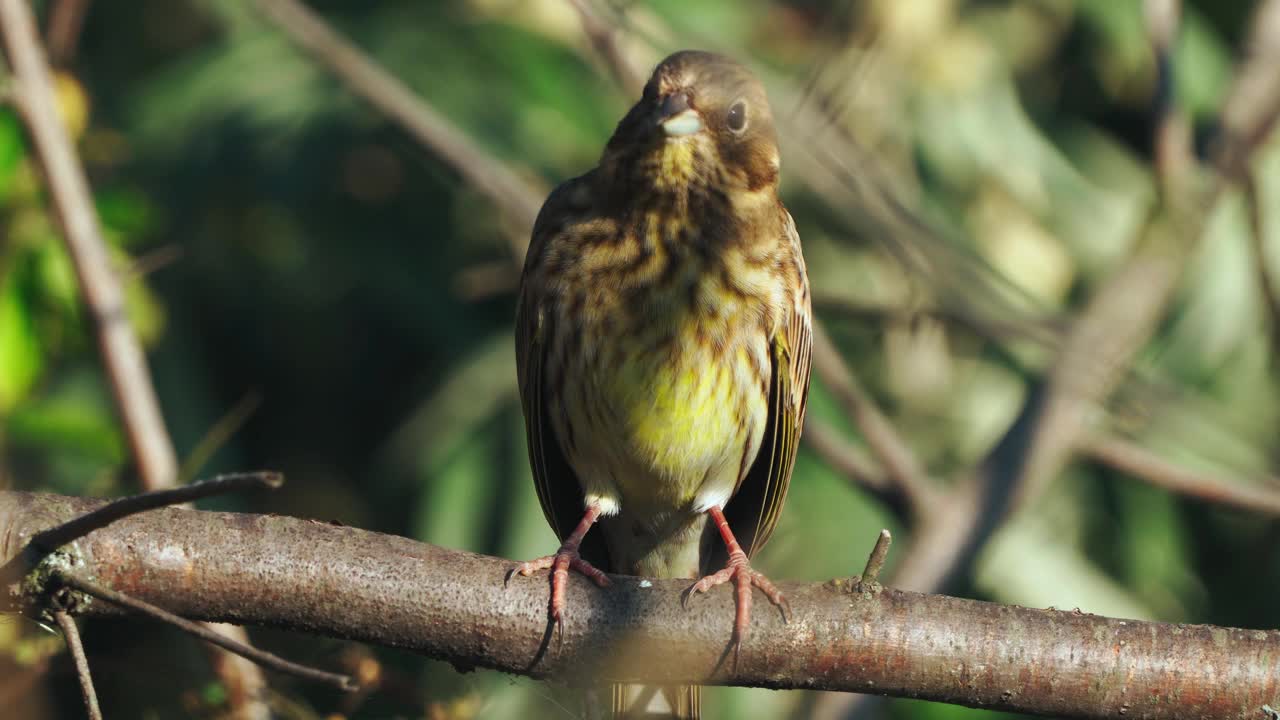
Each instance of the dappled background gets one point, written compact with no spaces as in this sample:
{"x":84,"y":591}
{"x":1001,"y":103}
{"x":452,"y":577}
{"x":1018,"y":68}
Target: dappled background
{"x":324,"y":294}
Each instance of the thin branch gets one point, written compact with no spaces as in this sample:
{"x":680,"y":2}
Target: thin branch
{"x":261,"y":657}
{"x":604,"y":40}
{"x":122,"y":355}
{"x":890,"y":449}
{"x":1145,"y":465}
{"x":123,"y":507}
{"x":72,"y":635}
{"x":219,"y":435}
{"x":1252,"y":106}
{"x":349,"y":583}
{"x":518,"y":198}
{"x":844,"y":457}
{"x":152,"y":261}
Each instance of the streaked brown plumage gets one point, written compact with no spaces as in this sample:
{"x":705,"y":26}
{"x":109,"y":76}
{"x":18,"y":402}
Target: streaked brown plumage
{"x":663,"y":340}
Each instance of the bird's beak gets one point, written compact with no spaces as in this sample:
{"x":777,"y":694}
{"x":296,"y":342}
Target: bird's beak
{"x":676,"y":117}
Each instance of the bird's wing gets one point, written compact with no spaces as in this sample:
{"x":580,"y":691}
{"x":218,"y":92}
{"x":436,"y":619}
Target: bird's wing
{"x":559,"y":491}
{"x":754,"y":509}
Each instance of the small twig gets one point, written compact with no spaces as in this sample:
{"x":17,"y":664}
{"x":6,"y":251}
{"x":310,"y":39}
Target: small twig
{"x":890,"y":449}
{"x":852,"y":462}
{"x":1145,"y":465}
{"x":844,"y":457}
{"x":604,"y":39}
{"x":72,"y":635}
{"x":875,"y":561}
{"x":1252,"y":106}
{"x":261,"y":657}
{"x":153,"y":260}
{"x":515,"y":196}
{"x":68,"y":532}
{"x":218,"y":435}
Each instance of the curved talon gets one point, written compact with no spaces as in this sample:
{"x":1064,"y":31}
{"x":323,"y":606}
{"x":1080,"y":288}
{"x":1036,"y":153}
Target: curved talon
{"x":560,"y":564}
{"x":739,"y":570}
{"x":564,"y":560}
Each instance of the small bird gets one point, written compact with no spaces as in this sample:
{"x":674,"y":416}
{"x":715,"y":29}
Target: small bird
{"x":662,"y":342}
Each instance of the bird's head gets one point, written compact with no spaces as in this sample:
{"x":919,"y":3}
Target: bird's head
{"x":703,"y":121}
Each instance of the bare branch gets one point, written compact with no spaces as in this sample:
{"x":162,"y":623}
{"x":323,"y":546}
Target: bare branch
{"x":1253,"y":103}
{"x":1155,"y":470}
{"x":518,"y":198}
{"x":122,"y":354}
{"x":846,"y":459}
{"x":261,"y":657}
{"x":72,"y":635}
{"x":218,"y":435}
{"x":349,"y":583}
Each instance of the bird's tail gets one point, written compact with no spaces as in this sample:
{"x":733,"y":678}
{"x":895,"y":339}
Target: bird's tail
{"x":653,"y":702}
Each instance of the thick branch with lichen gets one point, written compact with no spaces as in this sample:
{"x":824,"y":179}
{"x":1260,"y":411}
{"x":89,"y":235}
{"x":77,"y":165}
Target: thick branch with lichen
{"x":349,"y":583}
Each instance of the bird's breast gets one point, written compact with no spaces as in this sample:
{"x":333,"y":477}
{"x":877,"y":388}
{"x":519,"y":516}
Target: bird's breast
{"x":673,"y":385}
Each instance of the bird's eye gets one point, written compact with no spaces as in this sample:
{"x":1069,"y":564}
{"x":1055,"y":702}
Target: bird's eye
{"x":737,"y":117}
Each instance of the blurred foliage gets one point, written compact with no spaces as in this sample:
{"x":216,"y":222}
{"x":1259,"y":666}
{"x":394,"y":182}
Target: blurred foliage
{"x":323,"y":297}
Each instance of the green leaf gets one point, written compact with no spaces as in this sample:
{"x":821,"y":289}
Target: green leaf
{"x":12,"y":150}
{"x":20,"y":355}
{"x":125,"y":214}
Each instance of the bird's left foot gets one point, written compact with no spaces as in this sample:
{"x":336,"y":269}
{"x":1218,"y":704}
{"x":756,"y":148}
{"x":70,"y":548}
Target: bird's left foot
{"x":739,"y":571}
{"x":744,"y":577}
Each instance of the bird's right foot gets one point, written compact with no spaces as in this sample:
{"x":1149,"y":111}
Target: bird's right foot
{"x":561,"y":563}
{"x":565,"y":559}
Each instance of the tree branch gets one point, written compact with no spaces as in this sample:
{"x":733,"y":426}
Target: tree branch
{"x":1141,"y":463}
{"x":349,"y":583}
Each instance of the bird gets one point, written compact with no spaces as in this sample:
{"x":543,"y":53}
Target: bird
{"x":663,"y":338}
